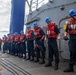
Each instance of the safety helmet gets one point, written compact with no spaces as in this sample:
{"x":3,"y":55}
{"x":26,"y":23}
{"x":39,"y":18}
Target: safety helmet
{"x":16,"y":33}
{"x":72,"y":12}
{"x":35,"y":24}
{"x":8,"y":34}
{"x":11,"y":32}
{"x":47,"y":19}
{"x":21,"y":32}
{"x":4,"y":35}
{"x":28,"y":27}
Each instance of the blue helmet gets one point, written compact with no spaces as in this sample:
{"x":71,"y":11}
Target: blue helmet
{"x":8,"y":34}
{"x":35,"y":24}
{"x":11,"y":32}
{"x":28,"y":27}
{"x":72,"y":12}
{"x":4,"y":35}
{"x":21,"y":32}
{"x":16,"y":33}
{"x":47,"y":19}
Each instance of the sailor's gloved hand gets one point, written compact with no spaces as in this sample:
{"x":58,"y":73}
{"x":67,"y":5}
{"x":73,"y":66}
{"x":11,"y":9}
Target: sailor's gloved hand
{"x":65,"y":38}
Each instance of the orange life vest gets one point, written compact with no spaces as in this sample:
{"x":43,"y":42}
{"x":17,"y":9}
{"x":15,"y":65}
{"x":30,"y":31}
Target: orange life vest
{"x":72,"y":26}
{"x":22,"y":37}
{"x":12,"y":37}
{"x":8,"y":38}
{"x":37,"y":32}
{"x":17,"y":38}
{"x":5,"y":39}
{"x":50,"y":31}
{"x":29,"y":34}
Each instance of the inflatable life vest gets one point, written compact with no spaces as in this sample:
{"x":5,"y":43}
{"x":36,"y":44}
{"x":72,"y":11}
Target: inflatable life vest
{"x":12,"y":37}
{"x":50,"y":31}
{"x":72,"y":26}
{"x":5,"y":39}
{"x":17,"y":38}
{"x":29,"y":34}
{"x":37,"y":32}
{"x":8,"y":38}
{"x":22,"y":37}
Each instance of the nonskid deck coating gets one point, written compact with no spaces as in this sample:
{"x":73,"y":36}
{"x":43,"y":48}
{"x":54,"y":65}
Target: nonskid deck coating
{"x":32,"y":67}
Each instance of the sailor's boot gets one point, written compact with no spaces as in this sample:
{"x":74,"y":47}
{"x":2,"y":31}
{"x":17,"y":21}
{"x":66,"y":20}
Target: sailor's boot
{"x":69,"y":69}
{"x":56,"y":66}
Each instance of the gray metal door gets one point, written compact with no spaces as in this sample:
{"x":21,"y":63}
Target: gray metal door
{"x":63,"y":45}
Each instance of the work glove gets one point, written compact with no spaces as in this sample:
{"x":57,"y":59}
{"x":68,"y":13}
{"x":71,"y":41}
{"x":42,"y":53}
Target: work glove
{"x":65,"y":38}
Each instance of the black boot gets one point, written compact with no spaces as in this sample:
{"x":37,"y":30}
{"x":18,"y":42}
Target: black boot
{"x":32,"y":59}
{"x":48,"y":64}
{"x":42,"y":62}
{"x":69,"y":69}
{"x":56,"y":66}
{"x":24,"y":57}
{"x":28,"y":58}
{"x":37,"y":60}
{"x":21,"y":56}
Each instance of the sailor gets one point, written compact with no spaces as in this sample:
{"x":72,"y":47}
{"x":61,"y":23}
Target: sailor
{"x":17,"y":43}
{"x":30,"y":43}
{"x":71,"y":30}
{"x":13,"y":43}
{"x":53,"y":34}
{"x":39,"y":42}
{"x":8,"y":42}
{"x":22,"y":52}
{"x":5,"y":43}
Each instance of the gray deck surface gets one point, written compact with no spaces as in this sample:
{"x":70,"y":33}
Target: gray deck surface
{"x":32,"y":67}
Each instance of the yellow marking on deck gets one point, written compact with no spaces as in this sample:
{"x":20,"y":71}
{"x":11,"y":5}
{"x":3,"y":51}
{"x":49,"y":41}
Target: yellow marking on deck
{"x":2,"y":59}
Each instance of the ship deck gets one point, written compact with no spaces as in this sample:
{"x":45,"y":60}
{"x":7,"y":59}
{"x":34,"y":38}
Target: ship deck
{"x":13,"y":65}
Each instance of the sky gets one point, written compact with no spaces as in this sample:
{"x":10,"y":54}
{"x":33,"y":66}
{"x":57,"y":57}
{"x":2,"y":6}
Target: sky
{"x":5,"y":13}
{"x":5,"y":10}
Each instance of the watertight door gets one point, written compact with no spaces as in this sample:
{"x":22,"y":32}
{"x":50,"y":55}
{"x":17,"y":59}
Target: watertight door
{"x":63,"y":45}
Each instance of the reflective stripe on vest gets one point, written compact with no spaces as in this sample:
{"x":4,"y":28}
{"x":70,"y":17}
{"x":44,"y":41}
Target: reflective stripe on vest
{"x":72,"y":26}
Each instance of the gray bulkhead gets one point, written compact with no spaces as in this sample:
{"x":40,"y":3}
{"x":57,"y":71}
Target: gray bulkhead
{"x":58,"y":11}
